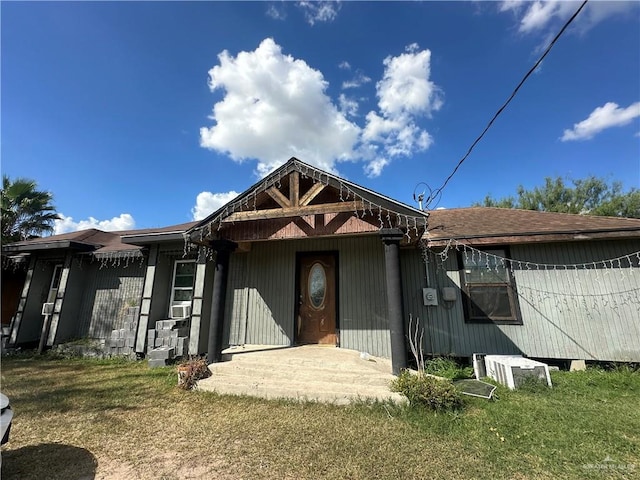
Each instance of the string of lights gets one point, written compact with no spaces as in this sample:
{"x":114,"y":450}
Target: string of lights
{"x":629,"y":261}
{"x":385,"y":216}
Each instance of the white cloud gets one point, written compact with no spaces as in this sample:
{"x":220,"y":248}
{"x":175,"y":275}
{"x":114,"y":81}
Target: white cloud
{"x":276,"y":13}
{"x":66,"y":224}
{"x":357,"y":81}
{"x":348,"y":106}
{"x":374,"y":167}
{"x":607,"y":116}
{"x":319,"y":11}
{"x":275,"y":106}
{"x":207,"y":203}
{"x":404,"y":94}
{"x":405,"y":87}
{"x":344,"y":65}
{"x":541,"y":15}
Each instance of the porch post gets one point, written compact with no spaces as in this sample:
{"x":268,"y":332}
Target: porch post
{"x":223,"y":250}
{"x":391,"y":239}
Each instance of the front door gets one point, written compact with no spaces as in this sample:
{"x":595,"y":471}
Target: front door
{"x":317,"y":299}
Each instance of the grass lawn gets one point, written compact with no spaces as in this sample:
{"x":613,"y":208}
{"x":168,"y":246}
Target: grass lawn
{"x":84,"y":419}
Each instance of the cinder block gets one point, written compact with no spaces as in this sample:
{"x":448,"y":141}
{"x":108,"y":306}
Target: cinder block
{"x":122,"y":333}
{"x":182,"y":344}
{"x":165,"y":324}
{"x":163,"y":353}
{"x":157,"y":363}
{"x":129,"y":342}
{"x":120,"y":342}
{"x":578,"y":366}
{"x":151,"y":334}
{"x":164,"y":333}
{"x":182,"y":331}
{"x":114,"y":334}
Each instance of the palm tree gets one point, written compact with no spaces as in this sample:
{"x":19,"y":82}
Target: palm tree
{"x":26,"y":212}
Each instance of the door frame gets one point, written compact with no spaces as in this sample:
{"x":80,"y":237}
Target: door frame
{"x":313,"y":253}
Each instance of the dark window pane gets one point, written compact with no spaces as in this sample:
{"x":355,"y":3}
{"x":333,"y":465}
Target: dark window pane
{"x":485,"y":267}
{"x":317,"y":285}
{"x":185,"y":268}
{"x":184,"y":281}
{"x":57,"y":275}
{"x":182,"y":295}
{"x":490,"y":302}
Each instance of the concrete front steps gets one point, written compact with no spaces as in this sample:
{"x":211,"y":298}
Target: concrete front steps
{"x":307,"y":373}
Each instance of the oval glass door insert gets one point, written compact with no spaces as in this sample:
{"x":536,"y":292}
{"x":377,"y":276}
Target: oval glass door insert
{"x":317,"y":285}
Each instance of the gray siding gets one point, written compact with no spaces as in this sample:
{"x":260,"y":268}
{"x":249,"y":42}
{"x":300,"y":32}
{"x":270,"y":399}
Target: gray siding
{"x":261,"y":294}
{"x":591,"y":313}
{"x":108,"y":291}
{"x":70,"y":297}
{"x":237,"y":300}
{"x":28,"y":325}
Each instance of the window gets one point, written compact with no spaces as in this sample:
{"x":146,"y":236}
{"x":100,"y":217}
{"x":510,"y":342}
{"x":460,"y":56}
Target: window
{"x":317,"y":286}
{"x":55,"y":284}
{"x":488,"y":287}
{"x":183,"y":277}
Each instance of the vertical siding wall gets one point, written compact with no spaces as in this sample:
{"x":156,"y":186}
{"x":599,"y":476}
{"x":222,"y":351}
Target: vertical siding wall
{"x":261,"y":300}
{"x":445,"y":331}
{"x":107,"y":292}
{"x":585,"y":314}
{"x":29,"y":324}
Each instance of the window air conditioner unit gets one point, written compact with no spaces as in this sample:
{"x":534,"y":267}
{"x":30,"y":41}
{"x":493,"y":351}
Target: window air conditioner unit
{"x":512,"y":370}
{"x":47,"y":308}
{"x":180,"y":311}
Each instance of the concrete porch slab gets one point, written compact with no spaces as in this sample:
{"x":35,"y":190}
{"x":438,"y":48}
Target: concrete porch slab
{"x":306,"y":373}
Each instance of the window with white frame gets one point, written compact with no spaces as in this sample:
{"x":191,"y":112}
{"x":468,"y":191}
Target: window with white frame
{"x":488,"y":287}
{"x":183,"y":280}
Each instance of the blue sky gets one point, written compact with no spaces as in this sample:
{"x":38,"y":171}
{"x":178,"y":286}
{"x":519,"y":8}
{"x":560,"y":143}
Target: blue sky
{"x":148,"y":114}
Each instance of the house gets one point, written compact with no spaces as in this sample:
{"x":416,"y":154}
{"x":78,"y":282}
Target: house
{"x":304,"y":256}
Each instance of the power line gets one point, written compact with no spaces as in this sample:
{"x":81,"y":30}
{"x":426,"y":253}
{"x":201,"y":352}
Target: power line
{"x":438,"y":191}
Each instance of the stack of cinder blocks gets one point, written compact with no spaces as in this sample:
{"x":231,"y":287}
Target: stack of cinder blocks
{"x":170,"y":339}
{"x":123,"y":341}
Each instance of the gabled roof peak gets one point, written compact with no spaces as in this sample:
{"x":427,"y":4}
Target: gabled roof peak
{"x":294,"y":189}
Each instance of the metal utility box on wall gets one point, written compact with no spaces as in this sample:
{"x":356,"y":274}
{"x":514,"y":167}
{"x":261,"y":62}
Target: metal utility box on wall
{"x":512,"y":370}
{"x":449,"y":294}
{"x":430,"y":296}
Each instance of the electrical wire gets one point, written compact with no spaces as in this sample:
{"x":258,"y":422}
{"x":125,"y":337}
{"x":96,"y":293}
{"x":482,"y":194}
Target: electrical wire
{"x":438,"y":191}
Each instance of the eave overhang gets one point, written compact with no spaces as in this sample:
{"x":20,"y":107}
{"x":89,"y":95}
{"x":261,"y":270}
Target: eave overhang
{"x":53,"y":245}
{"x":534,"y":237}
{"x":147,"y":238}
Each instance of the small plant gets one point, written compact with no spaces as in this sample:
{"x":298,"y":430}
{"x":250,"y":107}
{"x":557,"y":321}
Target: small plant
{"x":192,"y":370}
{"x":533,"y":384}
{"x":421,"y":388}
{"x":426,"y":391}
{"x":447,"y":368}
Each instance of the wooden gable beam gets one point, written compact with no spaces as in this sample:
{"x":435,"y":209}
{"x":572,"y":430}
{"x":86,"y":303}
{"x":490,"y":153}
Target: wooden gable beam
{"x":279,"y":197}
{"x":294,"y":188}
{"x":311,"y":194}
{"x":294,"y":211}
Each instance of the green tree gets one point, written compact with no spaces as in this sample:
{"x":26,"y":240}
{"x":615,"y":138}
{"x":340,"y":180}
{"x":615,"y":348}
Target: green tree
{"x":26,"y":211}
{"x":590,"y":196}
